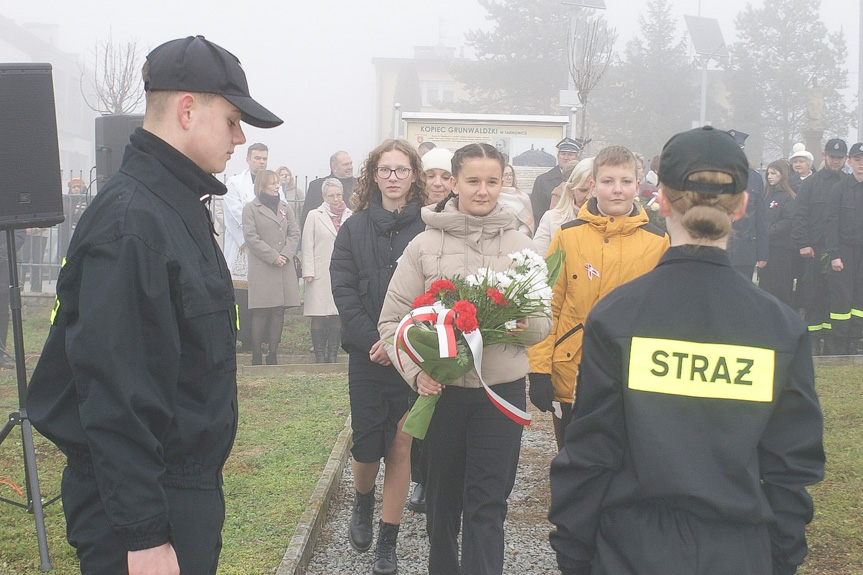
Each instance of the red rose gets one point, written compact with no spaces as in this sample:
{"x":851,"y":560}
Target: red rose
{"x":441,"y":285}
{"x":423,"y":300}
{"x":496,"y":296}
{"x":465,"y":316}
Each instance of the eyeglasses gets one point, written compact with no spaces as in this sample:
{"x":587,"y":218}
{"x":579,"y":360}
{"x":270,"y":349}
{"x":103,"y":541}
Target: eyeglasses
{"x":384,"y":172}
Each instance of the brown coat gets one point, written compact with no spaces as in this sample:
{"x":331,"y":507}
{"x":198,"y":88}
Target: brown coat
{"x":268,"y":235}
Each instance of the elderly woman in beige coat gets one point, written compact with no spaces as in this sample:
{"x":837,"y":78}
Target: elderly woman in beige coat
{"x":319,"y":235}
{"x":272,"y":234}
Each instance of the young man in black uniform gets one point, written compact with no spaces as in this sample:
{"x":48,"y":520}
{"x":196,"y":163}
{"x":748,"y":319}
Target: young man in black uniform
{"x":809,"y":236}
{"x":137,"y":381}
{"x":845,"y":246}
{"x":696,"y":427}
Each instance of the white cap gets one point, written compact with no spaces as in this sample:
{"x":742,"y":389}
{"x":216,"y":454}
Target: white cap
{"x":799,"y":151}
{"x":439,"y":158}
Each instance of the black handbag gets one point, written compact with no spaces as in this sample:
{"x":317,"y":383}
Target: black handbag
{"x":298,"y":266}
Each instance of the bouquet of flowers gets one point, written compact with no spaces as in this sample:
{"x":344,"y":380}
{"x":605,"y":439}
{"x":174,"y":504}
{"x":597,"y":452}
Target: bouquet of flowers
{"x":450,"y":324}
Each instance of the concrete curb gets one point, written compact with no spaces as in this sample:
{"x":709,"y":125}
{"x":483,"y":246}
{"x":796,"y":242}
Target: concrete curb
{"x":293,"y":369}
{"x":302,"y":544}
{"x":837,"y":360}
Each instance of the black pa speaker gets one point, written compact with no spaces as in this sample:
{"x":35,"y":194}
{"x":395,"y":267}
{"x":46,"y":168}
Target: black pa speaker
{"x":112,"y":136}
{"x":30,"y":188}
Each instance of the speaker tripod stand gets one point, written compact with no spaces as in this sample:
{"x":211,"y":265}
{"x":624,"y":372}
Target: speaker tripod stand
{"x":19,"y":417}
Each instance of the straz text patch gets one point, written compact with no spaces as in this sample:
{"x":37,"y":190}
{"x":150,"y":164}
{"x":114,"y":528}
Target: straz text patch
{"x":713,"y":370}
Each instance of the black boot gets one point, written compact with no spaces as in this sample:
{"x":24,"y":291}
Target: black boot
{"x":257,"y":358}
{"x":360,"y":528}
{"x":386,"y":562}
{"x":319,"y":340}
{"x":417,"y":502}
{"x":334,"y":341}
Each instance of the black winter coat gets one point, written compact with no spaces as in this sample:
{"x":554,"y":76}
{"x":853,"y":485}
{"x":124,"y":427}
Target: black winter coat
{"x":366,"y":252}
{"x":845,"y":218}
{"x":688,"y":407}
{"x":780,"y":213}
{"x":810,"y":210}
{"x":137,"y":382}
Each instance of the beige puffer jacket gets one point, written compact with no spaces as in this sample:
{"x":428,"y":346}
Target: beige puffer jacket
{"x":458,"y":244}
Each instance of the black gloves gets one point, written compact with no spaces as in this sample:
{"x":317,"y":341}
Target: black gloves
{"x":541,"y":391}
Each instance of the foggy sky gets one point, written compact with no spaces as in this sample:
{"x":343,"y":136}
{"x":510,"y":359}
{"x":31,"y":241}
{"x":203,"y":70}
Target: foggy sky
{"x":310,"y":61}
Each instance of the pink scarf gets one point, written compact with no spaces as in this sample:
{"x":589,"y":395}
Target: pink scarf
{"x":335,"y":213}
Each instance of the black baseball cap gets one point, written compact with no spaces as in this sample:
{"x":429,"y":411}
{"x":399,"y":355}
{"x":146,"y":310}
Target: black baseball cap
{"x":856,"y":150}
{"x":836,"y":147}
{"x":703,"y":150}
{"x":194,"y":64}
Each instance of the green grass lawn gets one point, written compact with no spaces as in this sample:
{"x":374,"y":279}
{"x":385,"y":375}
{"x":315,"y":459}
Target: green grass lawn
{"x":836,"y":532}
{"x":287,"y":429}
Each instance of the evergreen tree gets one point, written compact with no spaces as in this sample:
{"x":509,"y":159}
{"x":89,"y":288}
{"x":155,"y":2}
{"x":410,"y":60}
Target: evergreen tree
{"x":783,"y":57}
{"x":521,"y":65}
{"x":654,"y":92}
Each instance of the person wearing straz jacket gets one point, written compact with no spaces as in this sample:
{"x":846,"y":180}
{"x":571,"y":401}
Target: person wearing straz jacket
{"x":809,"y":237}
{"x":611,"y":242}
{"x":845,"y":246}
{"x":696,"y":427}
{"x":137,"y":381}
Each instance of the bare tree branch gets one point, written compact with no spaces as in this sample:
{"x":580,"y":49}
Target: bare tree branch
{"x":591,"y":50}
{"x":116,"y":78}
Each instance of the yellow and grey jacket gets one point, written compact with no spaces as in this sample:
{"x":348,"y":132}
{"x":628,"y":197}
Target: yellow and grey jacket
{"x":602,"y":252}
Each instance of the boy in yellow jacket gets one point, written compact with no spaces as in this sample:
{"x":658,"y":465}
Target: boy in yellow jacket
{"x":610,"y":243}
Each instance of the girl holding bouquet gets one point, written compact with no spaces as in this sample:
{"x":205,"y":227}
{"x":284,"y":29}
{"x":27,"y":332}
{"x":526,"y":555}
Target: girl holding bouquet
{"x":389,"y":194}
{"x":471,"y":448}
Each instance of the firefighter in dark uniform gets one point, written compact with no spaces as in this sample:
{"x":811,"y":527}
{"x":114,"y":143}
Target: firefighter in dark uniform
{"x":568,"y":150}
{"x":809,"y":236}
{"x":137,"y":381}
{"x":845,"y":246}
{"x":696,"y":427}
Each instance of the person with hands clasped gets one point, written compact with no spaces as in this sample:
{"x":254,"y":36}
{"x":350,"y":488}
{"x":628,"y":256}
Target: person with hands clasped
{"x":367,"y":250}
{"x":610,"y":242}
{"x":696,"y":427}
{"x":271,"y":236}
{"x":471,"y":449}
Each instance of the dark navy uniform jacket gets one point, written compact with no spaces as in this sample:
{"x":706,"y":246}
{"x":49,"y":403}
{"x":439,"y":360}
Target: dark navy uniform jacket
{"x":696,"y":393}
{"x":137,"y":381}
{"x":811,"y":209}
{"x":845,"y":218}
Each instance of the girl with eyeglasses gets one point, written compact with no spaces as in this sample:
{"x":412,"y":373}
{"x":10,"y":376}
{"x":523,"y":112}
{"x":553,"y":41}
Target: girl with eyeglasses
{"x":389,"y":194}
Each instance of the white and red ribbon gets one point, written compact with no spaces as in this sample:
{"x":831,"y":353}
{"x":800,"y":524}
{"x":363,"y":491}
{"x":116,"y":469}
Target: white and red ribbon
{"x":444,"y":324}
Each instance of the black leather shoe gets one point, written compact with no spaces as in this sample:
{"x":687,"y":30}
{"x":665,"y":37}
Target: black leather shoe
{"x":386,"y":562}
{"x":417,"y":502}
{"x":360,"y":528}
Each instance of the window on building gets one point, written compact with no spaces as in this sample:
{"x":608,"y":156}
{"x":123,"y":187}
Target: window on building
{"x":435,"y":93}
